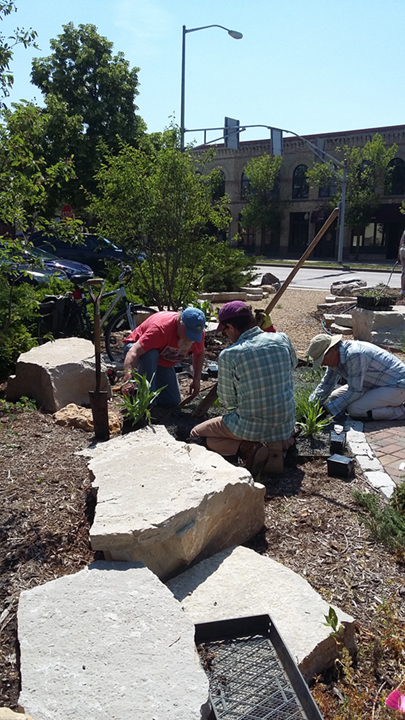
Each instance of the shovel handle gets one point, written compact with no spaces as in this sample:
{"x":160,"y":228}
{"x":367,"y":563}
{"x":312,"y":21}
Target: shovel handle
{"x":96,"y":282}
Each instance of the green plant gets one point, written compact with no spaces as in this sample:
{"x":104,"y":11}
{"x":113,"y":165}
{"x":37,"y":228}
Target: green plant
{"x":136,"y":406}
{"x":24,"y":404}
{"x":226,"y":269}
{"x":205,"y":306}
{"x":386,"y":521}
{"x":374,"y":292}
{"x":312,"y":420}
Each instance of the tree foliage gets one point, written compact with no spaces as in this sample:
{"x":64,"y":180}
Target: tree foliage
{"x":7,"y":43}
{"x":151,"y":199}
{"x":97,"y":91}
{"x":263,"y":208}
{"x":367,"y":174}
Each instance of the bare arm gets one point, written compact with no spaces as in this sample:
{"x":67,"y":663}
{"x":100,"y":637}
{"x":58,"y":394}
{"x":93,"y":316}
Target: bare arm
{"x":198,"y":361}
{"x":130,"y":363}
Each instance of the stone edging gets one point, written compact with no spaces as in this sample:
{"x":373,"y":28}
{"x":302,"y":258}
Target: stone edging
{"x":370,"y":465}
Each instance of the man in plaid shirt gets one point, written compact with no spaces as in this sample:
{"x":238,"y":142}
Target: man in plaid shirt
{"x":255,"y":382}
{"x":375,"y":379}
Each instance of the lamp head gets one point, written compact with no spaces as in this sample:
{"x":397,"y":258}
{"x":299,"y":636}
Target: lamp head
{"x":235,"y":34}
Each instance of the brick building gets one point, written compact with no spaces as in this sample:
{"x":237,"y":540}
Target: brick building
{"x":305,"y":209}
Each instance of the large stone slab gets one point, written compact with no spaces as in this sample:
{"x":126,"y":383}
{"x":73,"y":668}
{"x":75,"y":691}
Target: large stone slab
{"x":108,"y":643}
{"x":239,"y":582}
{"x":384,"y":328}
{"x":167,"y":504}
{"x":56,"y":374}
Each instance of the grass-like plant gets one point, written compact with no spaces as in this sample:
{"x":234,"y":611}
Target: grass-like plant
{"x":136,"y":406}
{"x":386,"y":521}
{"x":313,"y":421}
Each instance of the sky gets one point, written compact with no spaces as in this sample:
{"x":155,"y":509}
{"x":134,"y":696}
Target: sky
{"x":319,"y":66}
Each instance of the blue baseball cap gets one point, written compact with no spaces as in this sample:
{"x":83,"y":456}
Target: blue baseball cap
{"x":194,"y":322}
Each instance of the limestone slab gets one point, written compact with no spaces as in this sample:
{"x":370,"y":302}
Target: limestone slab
{"x":239,"y":582}
{"x":56,"y":374}
{"x":368,"y":464}
{"x":167,"y":504}
{"x":381,"y":481}
{"x":107,"y":643}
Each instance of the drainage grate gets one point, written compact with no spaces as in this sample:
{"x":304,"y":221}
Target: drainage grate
{"x":252,"y":676}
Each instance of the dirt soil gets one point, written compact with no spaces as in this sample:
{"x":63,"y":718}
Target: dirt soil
{"x":312,"y":525}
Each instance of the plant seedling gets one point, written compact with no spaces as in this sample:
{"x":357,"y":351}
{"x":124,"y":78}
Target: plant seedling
{"x":136,"y":407}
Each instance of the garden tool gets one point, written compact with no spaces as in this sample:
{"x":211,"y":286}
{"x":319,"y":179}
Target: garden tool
{"x":98,"y":398}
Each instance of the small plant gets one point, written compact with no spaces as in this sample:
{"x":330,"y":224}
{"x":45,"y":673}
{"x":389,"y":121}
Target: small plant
{"x":310,"y":416}
{"x":136,"y":406}
{"x":205,"y":306}
{"x":24,"y":404}
{"x":386,"y":521}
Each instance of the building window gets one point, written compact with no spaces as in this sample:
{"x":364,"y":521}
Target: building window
{"x":300,"y":187}
{"x":244,"y":187}
{"x":370,"y":239}
{"x":219,"y":191}
{"x":299,"y":226}
{"x":396,"y":182}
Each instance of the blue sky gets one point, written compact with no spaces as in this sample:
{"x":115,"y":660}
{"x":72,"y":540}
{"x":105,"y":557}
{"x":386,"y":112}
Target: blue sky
{"x":311,"y":67}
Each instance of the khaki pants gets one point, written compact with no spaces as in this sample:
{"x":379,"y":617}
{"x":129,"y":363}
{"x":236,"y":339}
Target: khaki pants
{"x":386,"y":403}
{"x":219,"y":437}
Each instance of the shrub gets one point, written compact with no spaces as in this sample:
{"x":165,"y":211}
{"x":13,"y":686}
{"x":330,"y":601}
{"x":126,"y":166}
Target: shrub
{"x":386,"y":521}
{"x":226,"y":269}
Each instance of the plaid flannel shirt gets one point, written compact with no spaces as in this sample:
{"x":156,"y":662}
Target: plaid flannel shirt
{"x":255,"y":378}
{"x":364,"y":366}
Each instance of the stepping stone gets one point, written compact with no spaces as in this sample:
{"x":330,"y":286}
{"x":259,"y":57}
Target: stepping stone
{"x":56,"y":374}
{"x":340,"y":329}
{"x":239,"y":582}
{"x":166,"y":503}
{"x":108,"y":642}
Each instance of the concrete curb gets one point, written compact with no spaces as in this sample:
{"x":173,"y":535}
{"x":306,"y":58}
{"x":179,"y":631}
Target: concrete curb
{"x":371,"y":466}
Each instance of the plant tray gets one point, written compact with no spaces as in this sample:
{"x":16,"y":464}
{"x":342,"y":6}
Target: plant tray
{"x":251,"y":673}
{"x":375,"y":303}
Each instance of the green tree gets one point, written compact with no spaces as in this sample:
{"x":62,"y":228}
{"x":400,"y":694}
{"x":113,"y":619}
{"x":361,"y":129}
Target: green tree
{"x":367,"y":174}
{"x":7,"y":43}
{"x":263,"y":208}
{"x":98,"y":90}
{"x":152,"y":200}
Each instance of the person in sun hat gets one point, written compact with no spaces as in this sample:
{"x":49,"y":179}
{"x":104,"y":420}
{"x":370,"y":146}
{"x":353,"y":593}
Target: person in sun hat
{"x":255,"y":382}
{"x":157,"y":344}
{"x":375,"y":379}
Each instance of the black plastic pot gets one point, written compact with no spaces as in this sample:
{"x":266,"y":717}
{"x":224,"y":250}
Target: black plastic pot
{"x":383,"y":302}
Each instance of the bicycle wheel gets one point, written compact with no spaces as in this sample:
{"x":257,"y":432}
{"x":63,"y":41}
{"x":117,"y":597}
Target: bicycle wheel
{"x":73,"y":325}
{"x":118,"y":329}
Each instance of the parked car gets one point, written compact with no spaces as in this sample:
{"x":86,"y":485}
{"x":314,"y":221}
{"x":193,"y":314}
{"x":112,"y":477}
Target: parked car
{"x":39,"y":266}
{"x":94,"y":251}
{"x":69,"y":267}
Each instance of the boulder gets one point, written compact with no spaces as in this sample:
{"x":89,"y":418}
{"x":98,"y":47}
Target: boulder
{"x":82,"y":418}
{"x":382,"y":327}
{"x":270,"y":279}
{"x":56,"y":374}
{"x":108,"y":642}
{"x":239,"y":582}
{"x":347,"y":287}
{"x":167,"y":504}
{"x":7,"y":714}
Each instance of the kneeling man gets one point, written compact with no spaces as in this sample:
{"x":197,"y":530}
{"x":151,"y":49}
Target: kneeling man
{"x":255,"y":382}
{"x":375,"y":379}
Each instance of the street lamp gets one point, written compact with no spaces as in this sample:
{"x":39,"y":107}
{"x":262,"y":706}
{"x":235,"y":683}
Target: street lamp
{"x":233,"y":33}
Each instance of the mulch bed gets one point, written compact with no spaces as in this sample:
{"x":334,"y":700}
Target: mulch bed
{"x":312,"y":526}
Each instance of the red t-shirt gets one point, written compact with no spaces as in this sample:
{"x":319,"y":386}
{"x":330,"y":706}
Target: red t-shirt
{"x":159,"y":332}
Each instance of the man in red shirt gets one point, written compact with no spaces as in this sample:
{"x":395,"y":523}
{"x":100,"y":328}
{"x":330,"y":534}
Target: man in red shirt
{"x":160,"y":342}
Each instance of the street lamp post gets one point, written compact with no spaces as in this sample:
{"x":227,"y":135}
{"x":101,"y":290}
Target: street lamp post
{"x":233,"y":33}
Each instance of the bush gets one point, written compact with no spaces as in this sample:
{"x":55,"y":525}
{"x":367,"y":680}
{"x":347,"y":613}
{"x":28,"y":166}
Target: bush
{"x":226,"y":269}
{"x":18,"y":310}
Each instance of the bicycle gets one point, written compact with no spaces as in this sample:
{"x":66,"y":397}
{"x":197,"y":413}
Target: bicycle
{"x":67,"y":316}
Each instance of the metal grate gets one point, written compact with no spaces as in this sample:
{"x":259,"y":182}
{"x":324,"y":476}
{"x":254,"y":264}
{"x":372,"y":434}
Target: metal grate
{"x":248,"y":682}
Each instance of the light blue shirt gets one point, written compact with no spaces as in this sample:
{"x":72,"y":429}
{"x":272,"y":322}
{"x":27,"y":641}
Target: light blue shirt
{"x":255,"y":378}
{"x":364,"y":366}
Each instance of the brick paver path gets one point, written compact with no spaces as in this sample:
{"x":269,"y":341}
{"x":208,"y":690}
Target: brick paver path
{"x":387,"y":441}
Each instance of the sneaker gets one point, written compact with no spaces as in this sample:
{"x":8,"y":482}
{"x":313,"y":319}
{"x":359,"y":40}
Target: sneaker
{"x":254,"y":456}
